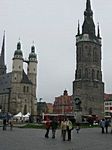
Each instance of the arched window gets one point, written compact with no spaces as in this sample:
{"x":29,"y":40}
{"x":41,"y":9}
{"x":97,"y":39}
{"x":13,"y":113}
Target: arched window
{"x":93,"y":74}
{"x":95,"y":56}
{"x":79,"y":53}
{"x":24,"y":89}
{"x":27,"y":89}
{"x":98,"y":76}
{"x":79,"y":76}
{"x":86,"y":73}
{"x":25,"y":109}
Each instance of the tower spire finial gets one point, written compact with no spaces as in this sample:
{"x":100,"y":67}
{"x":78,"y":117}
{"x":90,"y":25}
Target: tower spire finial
{"x":88,"y":5}
{"x":88,"y":12}
{"x":98,"y":34}
{"x":88,"y":25}
{"x":78,"y":31}
{"x":2,"y":57}
{"x":3,"y":50}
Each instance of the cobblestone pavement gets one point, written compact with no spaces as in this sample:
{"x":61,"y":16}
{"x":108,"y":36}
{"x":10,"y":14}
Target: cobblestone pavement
{"x":33,"y":139}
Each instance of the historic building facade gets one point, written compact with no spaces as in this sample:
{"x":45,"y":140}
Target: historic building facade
{"x":18,"y":88}
{"x":88,"y":87}
{"x":63,"y":104}
{"x":108,"y":104}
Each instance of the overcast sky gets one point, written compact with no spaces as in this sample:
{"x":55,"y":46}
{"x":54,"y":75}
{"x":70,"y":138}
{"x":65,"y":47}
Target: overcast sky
{"x":52,"y":25}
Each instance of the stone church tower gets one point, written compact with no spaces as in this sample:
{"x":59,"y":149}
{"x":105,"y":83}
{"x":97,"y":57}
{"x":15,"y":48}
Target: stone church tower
{"x":23,"y":85}
{"x":88,"y":87}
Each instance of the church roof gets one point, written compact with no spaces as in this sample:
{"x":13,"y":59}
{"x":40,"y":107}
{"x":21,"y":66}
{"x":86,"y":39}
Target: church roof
{"x":5,"y":82}
{"x":25,"y":78}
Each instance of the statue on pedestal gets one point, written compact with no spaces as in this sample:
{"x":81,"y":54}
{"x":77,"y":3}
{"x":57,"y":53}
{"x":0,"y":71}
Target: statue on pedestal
{"x":78,"y":110}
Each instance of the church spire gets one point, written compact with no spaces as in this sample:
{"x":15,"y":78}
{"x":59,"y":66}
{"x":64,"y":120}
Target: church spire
{"x":88,"y":5}
{"x":2,"y":57}
{"x":88,"y":12}
{"x":88,"y":25}
{"x":98,"y":34}
{"x":78,"y":30}
{"x":3,"y":51}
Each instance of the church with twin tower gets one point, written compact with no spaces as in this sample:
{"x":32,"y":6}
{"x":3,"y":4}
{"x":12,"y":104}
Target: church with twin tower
{"x":18,"y":88}
{"x":88,"y":88}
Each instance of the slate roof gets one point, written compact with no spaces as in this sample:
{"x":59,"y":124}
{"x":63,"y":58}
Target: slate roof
{"x":25,"y":78}
{"x":5,"y":82}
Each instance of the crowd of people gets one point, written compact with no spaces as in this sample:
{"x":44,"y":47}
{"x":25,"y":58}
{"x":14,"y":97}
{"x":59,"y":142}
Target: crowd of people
{"x":105,"y":124}
{"x":7,"y":123}
{"x":65,"y":125}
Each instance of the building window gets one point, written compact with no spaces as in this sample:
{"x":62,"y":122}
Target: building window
{"x":24,"y":89}
{"x":93,"y":74}
{"x":79,"y":53}
{"x":27,"y":89}
{"x":79,"y":76}
{"x":98,"y":75}
{"x":95,"y":55}
{"x":86,"y":73}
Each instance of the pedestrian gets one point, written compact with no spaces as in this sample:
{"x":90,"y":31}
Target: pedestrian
{"x":63,"y":128}
{"x":54,"y":125}
{"x":77,"y":127}
{"x":111,"y":125}
{"x":47,"y":126}
{"x":11,"y":124}
{"x":106,"y":125}
{"x":69,"y":129}
{"x":102,"y":124}
{"x":4,"y":123}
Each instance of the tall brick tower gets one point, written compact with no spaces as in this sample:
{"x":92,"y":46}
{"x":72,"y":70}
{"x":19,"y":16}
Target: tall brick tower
{"x":88,"y":87}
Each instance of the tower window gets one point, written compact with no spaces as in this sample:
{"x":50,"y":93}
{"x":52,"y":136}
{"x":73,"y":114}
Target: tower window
{"x":86,"y":73}
{"x":27,"y":89}
{"x":79,"y":76}
{"x":93,"y":74}
{"x":24,"y":88}
{"x":98,"y":75}
{"x":79,"y":54}
{"x":95,"y":56}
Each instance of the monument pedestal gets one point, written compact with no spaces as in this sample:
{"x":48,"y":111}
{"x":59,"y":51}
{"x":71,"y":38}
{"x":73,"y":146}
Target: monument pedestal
{"x":78,"y":116}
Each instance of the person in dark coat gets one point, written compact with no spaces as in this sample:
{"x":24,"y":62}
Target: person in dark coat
{"x":54,"y":125}
{"x":11,"y":124}
{"x":47,"y":126}
{"x":4,"y":123}
{"x":106,"y":125}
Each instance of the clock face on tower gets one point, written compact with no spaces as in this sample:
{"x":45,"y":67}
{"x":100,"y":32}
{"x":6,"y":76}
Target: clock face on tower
{"x":77,"y":101}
